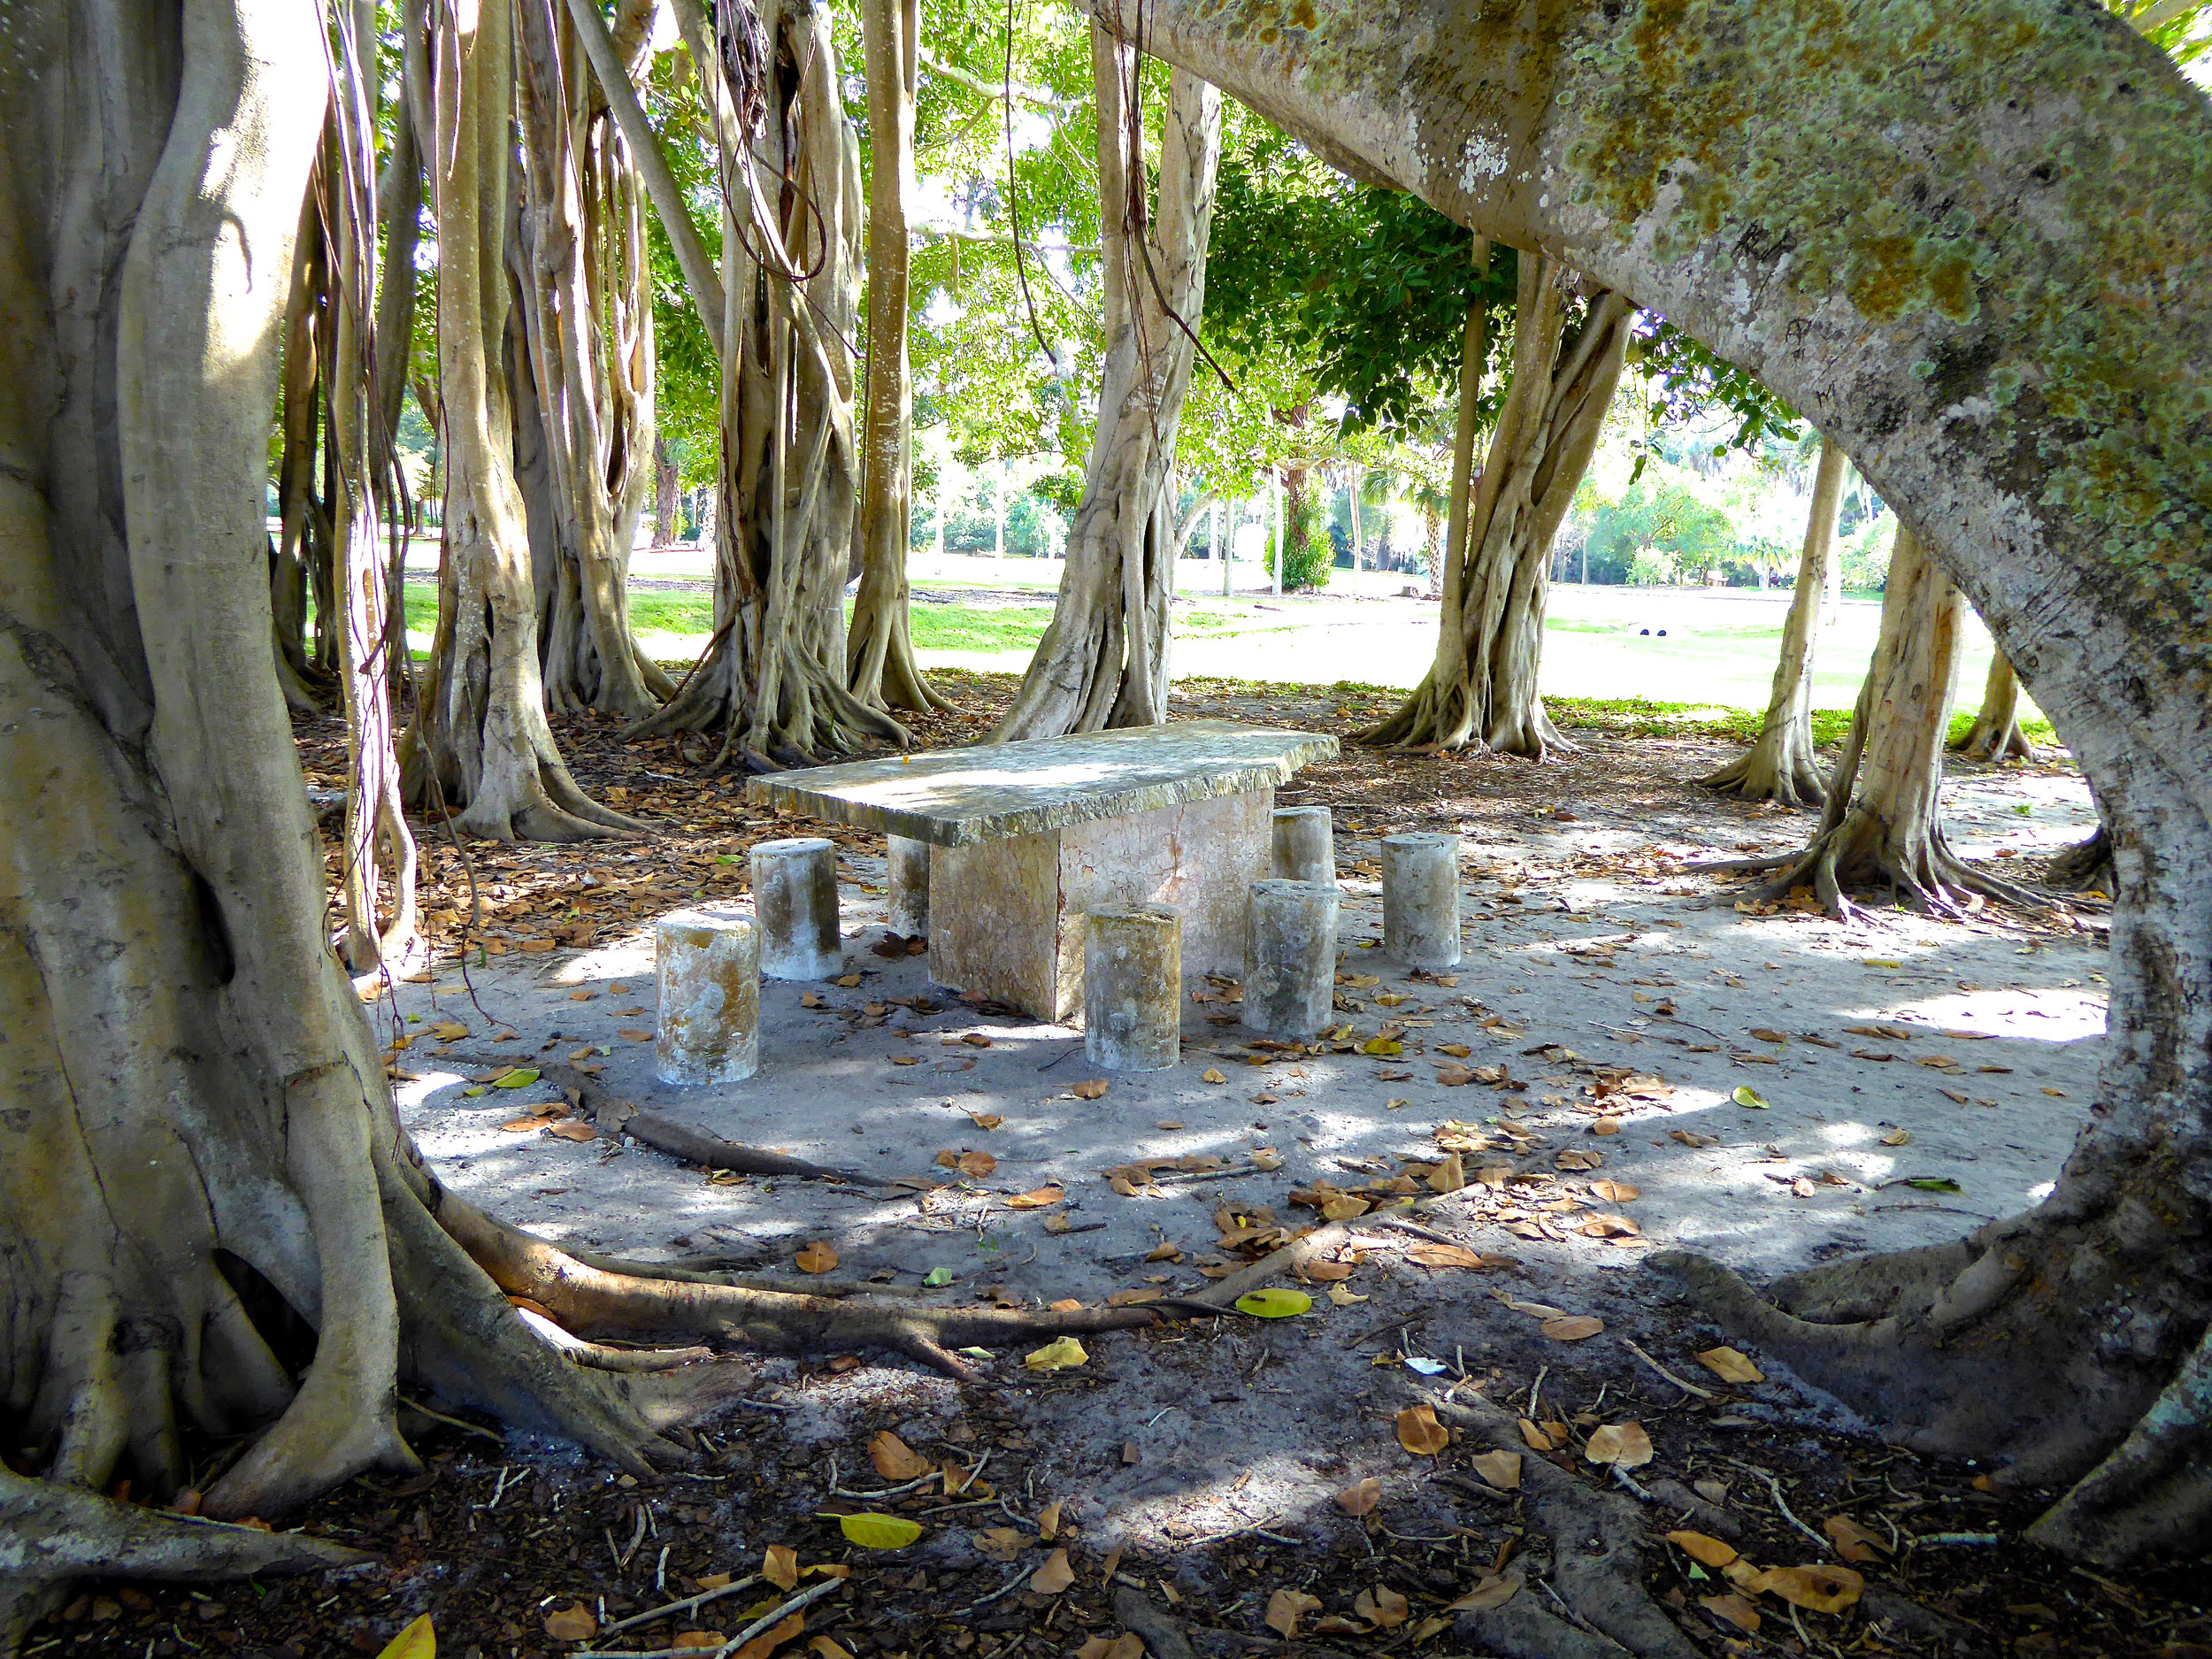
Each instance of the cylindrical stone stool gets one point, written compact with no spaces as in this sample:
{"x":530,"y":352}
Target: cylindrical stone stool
{"x":795,"y":899}
{"x":1420,"y":894}
{"x":1290,"y":957}
{"x":1304,"y":845}
{"x":707,"y":964}
{"x":1132,"y":987}
{"x":909,"y":887}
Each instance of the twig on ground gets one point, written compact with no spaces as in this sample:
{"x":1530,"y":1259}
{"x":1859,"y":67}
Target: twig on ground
{"x":1775,"y":1487}
{"x":1686,"y":1388}
{"x":675,"y":1608}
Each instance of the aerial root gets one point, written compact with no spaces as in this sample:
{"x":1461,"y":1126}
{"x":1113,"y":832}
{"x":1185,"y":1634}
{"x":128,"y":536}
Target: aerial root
{"x":1598,"y":1605}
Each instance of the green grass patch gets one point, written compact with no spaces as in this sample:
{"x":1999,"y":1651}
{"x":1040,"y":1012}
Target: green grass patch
{"x":976,"y":627}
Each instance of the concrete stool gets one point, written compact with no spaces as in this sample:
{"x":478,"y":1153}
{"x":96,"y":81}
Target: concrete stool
{"x":1420,"y":892}
{"x":909,"y":887}
{"x":1304,"y":847}
{"x":706,"y":966}
{"x":1132,"y":987}
{"x":1290,"y":958}
{"x":794,"y":900}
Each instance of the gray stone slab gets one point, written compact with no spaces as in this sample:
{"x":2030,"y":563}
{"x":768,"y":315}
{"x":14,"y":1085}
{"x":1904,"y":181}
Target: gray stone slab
{"x":962,"y":797}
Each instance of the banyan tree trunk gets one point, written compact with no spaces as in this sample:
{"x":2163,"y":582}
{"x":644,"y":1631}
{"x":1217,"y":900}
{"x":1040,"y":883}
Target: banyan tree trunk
{"x":771,"y":680}
{"x":1782,"y":764}
{"x":1481,"y":690}
{"x":585,"y":319}
{"x":1995,"y":733}
{"x":302,"y":539}
{"x":880,"y":650}
{"x":1880,"y":828}
{"x":479,"y":741}
{"x":1103,"y":660}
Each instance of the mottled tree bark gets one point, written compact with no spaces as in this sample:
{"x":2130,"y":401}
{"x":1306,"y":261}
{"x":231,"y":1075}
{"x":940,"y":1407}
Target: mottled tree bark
{"x":1782,"y":763}
{"x":1103,"y":660}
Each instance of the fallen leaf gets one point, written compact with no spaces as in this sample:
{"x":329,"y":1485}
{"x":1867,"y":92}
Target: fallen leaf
{"x":1691,"y":1138}
{"x":986,"y":1120}
{"x":975,"y":1040}
{"x":1454,"y":1255}
{"x":769,"y":1641}
{"x":1037,"y":1200}
{"x":1491,"y":1590}
{"x":696,"y":1639}
{"x":1745,"y":1096}
{"x":816,"y":1257}
{"x":1732,"y":1608}
{"x":1703,"y":1549}
{"x":1090,"y":1090}
{"x":1729,"y":1366}
{"x":1449,"y":1176}
{"x":1209,"y":1075}
{"x":521,"y":1077}
{"x":1342,"y":1297}
{"x":1623,"y":1444}
{"x":1265,"y":1159}
{"x":419,"y":1642}
{"x":1537,"y":1437}
{"x":1385,"y":1046}
{"x":870,"y":1531}
{"x":1501,"y":1470}
{"x":1898,"y":1138}
{"x":630,"y":1033}
{"x":1055,"y":1576}
{"x":1382,"y":1606}
{"x":779,"y":1564}
{"x":1274,"y":1302}
{"x":1616,"y":1191}
{"x":1853,"y":1541}
{"x":1765,"y":1033}
{"x":1134,"y":1298}
{"x":573,"y":1131}
{"x":896,"y":1460}
{"x":1360,"y":1496}
{"x":1819,"y":1588}
{"x":1419,"y":1431}
{"x":1344,"y":1207}
{"x":1057,"y":1355}
{"x":827,"y":1649}
{"x":572,"y":1624}
{"x":1573,"y":1328}
{"x":1285,"y":1608}
{"x":1454,"y":1076}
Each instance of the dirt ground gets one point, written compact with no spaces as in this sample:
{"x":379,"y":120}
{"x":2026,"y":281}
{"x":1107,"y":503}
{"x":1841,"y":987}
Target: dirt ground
{"x":1624,"y":1060}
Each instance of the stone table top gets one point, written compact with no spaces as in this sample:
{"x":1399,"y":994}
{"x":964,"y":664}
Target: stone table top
{"x":958,"y":798}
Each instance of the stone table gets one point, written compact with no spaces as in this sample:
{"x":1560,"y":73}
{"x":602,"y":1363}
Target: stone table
{"x":1024,"y":838}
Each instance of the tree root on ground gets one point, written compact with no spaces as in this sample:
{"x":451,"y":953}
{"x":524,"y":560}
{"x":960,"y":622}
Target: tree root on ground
{"x":1600,"y":1548}
{"x":1862,"y":853}
{"x":1780,"y":767}
{"x":2086,"y":866}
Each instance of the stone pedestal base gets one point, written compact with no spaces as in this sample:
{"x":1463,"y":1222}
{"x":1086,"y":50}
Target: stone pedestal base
{"x":1006,"y":917}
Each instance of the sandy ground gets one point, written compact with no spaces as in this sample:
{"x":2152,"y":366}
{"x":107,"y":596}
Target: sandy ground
{"x":1586,"y":948}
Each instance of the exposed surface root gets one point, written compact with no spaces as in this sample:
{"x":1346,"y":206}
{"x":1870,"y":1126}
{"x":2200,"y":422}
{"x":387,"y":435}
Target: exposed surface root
{"x":2085,"y":866}
{"x":1865,"y":854}
{"x":695,"y":1146}
{"x":1600,"y":1551}
{"x":1779,"y":766}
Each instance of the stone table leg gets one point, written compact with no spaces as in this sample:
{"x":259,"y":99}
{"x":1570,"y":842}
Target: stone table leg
{"x":1133,"y":988}
{"x":1420,"y":892}
{"x":908,"y":861}
{"x":707,"y":965}
{"x":1290,"y":966}
{"x":794,"y":898}
{"x":1304,"y":845}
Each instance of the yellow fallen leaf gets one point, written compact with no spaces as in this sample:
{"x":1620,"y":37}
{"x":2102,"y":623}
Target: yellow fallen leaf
{"x":521,"y":1077}
{"x":1048,"y":1521}
{"x":1449,"y":1176}
{"x":1501,"y":1470}
{"x":1060,"y":1354}
{"x":1037,"y":1200}
{"x":1731,"y":1366}
{"x":1623,"y":1445}
{"x":816,"y":1257}
{"x":1703,"y":1549}
{"x":1382,"y":1606}
{"x":572,"y":1624}
{"x":1819,"y":1588}
{"x":1055,"y":1576}
{"x":1385,"y":1046}
{"x":419,"y":1641}
{"x":1210,"y":1075}
{"x":1344,"y":1207}
{"x":1285,"y":1608}
{"x":879,"y":1532}
{"x":1420,"y":1433}
{"x":1342,"y":1297}
{"x":1360,"y":1496}
{"x":573,"y":1131}
{"x":896,"y":1460}
{"x":779,"y":1565}
{"x":1274,"y":1302}
{"x":986,"y":1120}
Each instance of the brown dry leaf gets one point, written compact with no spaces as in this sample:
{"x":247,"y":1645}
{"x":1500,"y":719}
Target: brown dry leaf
{"x":1449,"y":1176}
{"x":1623,"y":1445}
{"x":1048,"y":1521}
{"x":1535,"y":1433}
{"x":1382,"y":1606}
{"x":975,"y":1166}
{"x":573,"y":1131}
{"x":1609,"y":1227}
{"x":1744,"y":1573}
{"x":1731,"y":1366}
{"x":1501,"y":1470}
{"x":1342,"y":1297}
{"x":779,"y":1565}
{"x":632,"y":1034}
{"x":975,"y":1040}
{"x":1344,"y":1207}
{"x":1703,"y":1549}
{"x":816,"y":1257}
{"x":1055,"y":1576}
{"x":1454,"y":1076}
{"x":1898,"y":1138}
{"x":1360,"y":1496}
{"x":1039,"y":1199}
{"x":1454,"y":1255}
{"x":1691,"y":1138}
{"x":1854,"y":1543}
{"x":572,"y":1624}
{"x":986,"y":1120}
{"x":1130,"y":1298}
{"x":1572,"y":1158}
{"x":1420,"y":1433}
{"x":1573,"y":1328}
{"x":827,"y":1649}
{"x":768,"y":1641}
{"x":1285,"y":1608}
{"x":1325,"y":1273}
{"x":696,"y":1639}
{"x":1088,"y":1090}
{"x":1494,"y":1589}
{"x":906,"y":1059}
{"x":1457,"y":1050}
{"x":1734,"y":1609}
{"x":1209,"y":1075}
{"x":896,"y":1460}
{"x":1066,"y":1304}
{"x":1616,"y":1191}
{"x":1819,"y":1588}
